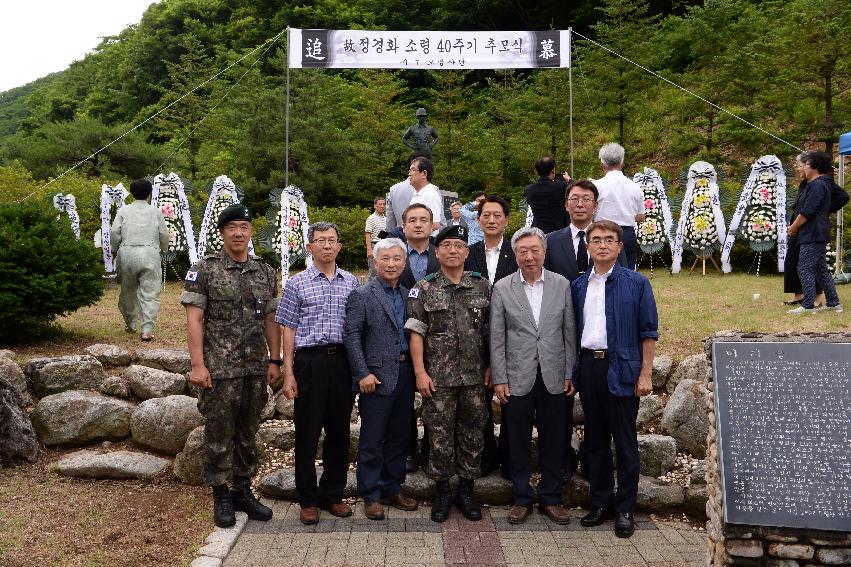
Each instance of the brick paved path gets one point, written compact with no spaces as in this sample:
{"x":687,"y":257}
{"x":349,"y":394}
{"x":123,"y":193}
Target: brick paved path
{"x":411,"y":539}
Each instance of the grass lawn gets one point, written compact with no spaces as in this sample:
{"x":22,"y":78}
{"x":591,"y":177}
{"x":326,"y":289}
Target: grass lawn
{"x":46,"y":519}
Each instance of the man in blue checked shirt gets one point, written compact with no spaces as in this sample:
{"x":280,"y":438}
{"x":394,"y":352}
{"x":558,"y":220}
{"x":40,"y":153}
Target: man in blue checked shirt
{"x":316,"y":372}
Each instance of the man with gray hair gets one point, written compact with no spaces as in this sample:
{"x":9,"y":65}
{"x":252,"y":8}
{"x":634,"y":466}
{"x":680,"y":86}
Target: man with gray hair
{"x":312,"y":312}
{"x":621,"y":200}
{"x":533,"y":349}
{"x":382,"y":373}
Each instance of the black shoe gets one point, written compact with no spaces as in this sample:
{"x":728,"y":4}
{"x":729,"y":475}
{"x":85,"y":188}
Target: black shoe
{"x":465,"y":501}
{"x":596,"y":517}
{"x":442,"y":501}
{"x":223,"y":514}
{"x":245,"y":501}
{"x":411,"y":464}
{"x":624,"y":525}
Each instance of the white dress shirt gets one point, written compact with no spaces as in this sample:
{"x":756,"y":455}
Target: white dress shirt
{"x":535,"y":294}
{"x":492,"y":260}
{"x":620,"y":199}
{"x":430,"y":197}
{"x":594,"y":335}
{"x":574,"y":231}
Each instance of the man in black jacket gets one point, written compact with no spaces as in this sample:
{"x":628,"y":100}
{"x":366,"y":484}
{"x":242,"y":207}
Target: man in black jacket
{"x":546,"y":196}
{"x":494,"y":259}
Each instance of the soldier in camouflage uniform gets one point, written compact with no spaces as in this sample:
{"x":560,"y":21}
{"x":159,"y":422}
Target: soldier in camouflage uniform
{"x":230,"y":301}
{"x":448,"y":314}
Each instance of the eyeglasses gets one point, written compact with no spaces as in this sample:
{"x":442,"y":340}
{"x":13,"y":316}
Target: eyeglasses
{"x":583,"y":200}
{"x":446,"y":245}
{"x":607,"y":241}
{"x":324,"y":241}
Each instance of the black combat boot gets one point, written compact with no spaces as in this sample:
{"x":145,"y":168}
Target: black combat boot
{"x":223,"y":514}
{"x":442,"y":501}
{"x":244,"y":500}
{"x":465,"y":501}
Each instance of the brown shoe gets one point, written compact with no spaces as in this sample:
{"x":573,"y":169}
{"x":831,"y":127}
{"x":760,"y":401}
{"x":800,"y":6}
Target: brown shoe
{"x":309,"y":516}
{"x":339,"y":509}
{"x":518,"y":514}
{"x":400,"y":502}
{"x":373,"y":510}
{"x":556,"y":513}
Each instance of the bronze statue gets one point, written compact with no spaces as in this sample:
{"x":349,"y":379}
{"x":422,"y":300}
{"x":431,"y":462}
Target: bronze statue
{"x":423,"y":136}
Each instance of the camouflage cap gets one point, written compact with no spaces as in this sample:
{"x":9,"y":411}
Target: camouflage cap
{"x":233,"y":213}
{"x":456,"y":231}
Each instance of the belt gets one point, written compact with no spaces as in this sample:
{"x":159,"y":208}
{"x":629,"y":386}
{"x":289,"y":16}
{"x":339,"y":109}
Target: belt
{"x":600,"y":353}
{"x":322,"y":349}
{"x":404,"y":357}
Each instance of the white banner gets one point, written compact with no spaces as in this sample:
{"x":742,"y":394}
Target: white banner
{"x":109,"y":196}
{"x":370,"y":49}
{"x":68,"y":204}
{"x":705,"y":171}
{"x":222,"y":185}
{"x":171,"y":187}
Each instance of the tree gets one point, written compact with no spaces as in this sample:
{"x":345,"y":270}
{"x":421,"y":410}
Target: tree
{"x":450,"y":101}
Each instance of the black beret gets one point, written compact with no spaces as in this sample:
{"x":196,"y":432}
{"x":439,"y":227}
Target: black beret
{"x":454,"y":231}
{"x":233,"y":213}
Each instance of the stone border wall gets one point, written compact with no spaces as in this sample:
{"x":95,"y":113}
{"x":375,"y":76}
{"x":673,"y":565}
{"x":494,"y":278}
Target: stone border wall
{"x":729,"y":544}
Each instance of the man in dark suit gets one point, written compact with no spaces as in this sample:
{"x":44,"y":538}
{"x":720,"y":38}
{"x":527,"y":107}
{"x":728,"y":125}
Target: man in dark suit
{"x":416,"y":225}
{"x":381,"y":371}
{"x":546,"y":196}
{"x":493,"y":258}
{"x":618,"y":328}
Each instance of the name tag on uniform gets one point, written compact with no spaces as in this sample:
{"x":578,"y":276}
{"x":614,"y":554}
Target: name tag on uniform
{"x":414,"y":293}
{"x":191,"y":276}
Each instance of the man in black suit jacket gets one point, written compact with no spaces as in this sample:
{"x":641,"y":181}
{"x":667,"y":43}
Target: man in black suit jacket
{"x":546,"y":196}
{"x":493,"y":218}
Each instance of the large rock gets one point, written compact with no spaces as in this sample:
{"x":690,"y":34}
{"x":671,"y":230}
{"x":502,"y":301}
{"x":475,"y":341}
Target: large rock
{"x":284,"y":408}
{"x":6,"y":353}
{"x":281,"y":484}
{"x":118,"y":465}
{"x":655,"y":495}
{"x":109,"y":355}
{"x":685,"y":417}
{"x":658,"y":453}
{"x":649,"y":408}
{"x":661,"y":371}
{"x":60,"y":374}
{"x":115,"y":386}
{"x":12,"y":373}
{"x":189,"y":463}
{"x":281,"y":438}
{"x":578,"y":411}
{"x":698,"y":472}
{"x":269,"y":409}
{"x":164,"y":424}
{"x":171,"y":360}
{"x":146,"y":382}
{"x":692,"y":367}
{"x":18,"y":441}
{"x":78,"y":417}
{"x":696,"y":498}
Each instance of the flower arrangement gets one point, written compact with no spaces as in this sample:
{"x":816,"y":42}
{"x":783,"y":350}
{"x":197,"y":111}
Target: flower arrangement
{"x":759,"y":225}
{"x":214,"y":237}
{"x":651,"y":231}
{"x":701,"y":234}
{"x":169,"y":205}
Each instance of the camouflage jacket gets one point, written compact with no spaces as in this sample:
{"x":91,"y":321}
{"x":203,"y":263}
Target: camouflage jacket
{"x":236,"y":299}
{"x":454,"y":321}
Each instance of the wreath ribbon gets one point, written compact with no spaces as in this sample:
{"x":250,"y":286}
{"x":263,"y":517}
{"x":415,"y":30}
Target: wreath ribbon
{"x":109,"y":196}
{"x":68,"y":204}
{"x":173,"y":180}
{"x":651,"y":177}
{"x":223,"y":183}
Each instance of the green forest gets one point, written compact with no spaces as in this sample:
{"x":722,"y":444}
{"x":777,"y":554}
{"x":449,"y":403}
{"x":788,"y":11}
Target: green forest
{"x":784,"y":65}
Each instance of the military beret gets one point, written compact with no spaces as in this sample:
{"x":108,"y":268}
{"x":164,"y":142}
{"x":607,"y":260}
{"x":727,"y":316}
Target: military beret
{"x":233,"y":213}
{"x":455,"y":231}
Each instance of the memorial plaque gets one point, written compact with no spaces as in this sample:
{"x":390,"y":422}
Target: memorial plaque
{"x":784,"y":433}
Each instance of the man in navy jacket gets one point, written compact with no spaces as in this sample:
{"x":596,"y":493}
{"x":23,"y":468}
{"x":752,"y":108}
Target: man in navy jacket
{"x":381,"y":372}
{"x":618,"y":328}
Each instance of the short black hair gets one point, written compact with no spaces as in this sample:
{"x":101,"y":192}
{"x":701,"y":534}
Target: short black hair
{"x":545,"y":165}
{"x":413,"y":206}
{"x":820,"y":161}
{"x":495,"y":199}
{"x":478,"y":194}
{"x":141,"y":189}
{"x":586,"y":184}
{"x":424,"y":164}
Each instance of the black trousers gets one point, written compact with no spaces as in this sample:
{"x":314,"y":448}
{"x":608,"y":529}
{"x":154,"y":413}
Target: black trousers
{"x":791,"y":281}
{"x":324,"y":401}
{"x":609,"y":417}
{"x":547,"y":409}
{"x":630,"y":246}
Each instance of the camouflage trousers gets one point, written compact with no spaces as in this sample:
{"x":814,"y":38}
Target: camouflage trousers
{"x":455,"y":417}
{"x":232,"y":408}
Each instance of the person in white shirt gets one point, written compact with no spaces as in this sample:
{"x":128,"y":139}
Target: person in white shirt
{"x":621,"y":199}
{"x":375,"y":224}
{"x":420,"y":174}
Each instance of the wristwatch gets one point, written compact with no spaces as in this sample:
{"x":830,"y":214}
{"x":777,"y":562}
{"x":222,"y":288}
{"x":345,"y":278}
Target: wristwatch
{"x":276,"y":361}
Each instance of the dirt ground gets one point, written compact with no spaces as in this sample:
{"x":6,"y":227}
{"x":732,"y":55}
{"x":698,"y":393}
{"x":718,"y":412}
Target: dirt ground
{"x":50,"y":520}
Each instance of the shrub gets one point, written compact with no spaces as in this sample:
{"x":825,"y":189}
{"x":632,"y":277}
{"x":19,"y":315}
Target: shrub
{"x":44,"y":271}
{"x":351,"y":221}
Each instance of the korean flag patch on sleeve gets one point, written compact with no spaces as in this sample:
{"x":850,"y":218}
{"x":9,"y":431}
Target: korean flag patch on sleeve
{"x":191,"y":276}
{"x":414,"y":293}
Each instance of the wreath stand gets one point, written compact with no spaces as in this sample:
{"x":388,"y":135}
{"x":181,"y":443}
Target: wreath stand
{"x":702,"y":259}
{"x":650,"y":255}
